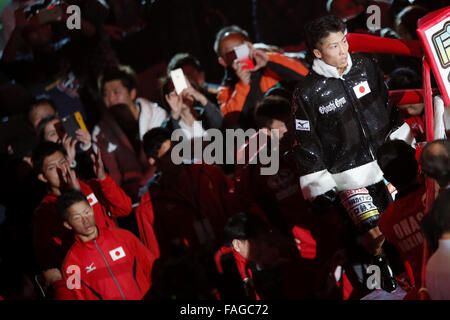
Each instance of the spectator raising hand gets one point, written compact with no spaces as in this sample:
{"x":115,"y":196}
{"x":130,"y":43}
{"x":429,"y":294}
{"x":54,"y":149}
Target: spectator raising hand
{"x":70,"y":145}
{"x":99,"y":168}
{"x":68,"y":178}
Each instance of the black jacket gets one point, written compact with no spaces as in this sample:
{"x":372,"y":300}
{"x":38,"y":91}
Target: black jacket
{"x":340,"y":121}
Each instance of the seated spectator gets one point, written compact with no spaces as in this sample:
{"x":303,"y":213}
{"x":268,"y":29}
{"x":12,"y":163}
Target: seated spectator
{"x":435,"y":162}
{"x":243,"y":88}
{"x":437,"y":272}
{"x":121,"y":128}
{"x":413,"y":114}
{"x":186,"y":205}
{"x":400,"y":222}
{"x":51,"y":240}
{"x":129,"y":263}
{"x":405,"y":78}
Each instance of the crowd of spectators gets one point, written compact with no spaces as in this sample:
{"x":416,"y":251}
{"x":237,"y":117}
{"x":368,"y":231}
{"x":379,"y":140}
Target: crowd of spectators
{"x":93,"y":206}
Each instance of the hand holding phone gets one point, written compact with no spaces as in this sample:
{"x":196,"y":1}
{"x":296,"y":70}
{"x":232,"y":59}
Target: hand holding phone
{"x":244,"y":75}
{"x":260,"y":57}
{"x":72,"y":123}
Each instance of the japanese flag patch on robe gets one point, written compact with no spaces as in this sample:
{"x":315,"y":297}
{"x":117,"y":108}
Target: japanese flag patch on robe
{"x":361,"y":89}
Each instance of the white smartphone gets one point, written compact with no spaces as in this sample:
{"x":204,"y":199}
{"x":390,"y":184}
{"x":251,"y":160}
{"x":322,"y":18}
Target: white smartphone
{"x":243,"y":56}
{"x":242,"y":51}
{"x":178,"y":79}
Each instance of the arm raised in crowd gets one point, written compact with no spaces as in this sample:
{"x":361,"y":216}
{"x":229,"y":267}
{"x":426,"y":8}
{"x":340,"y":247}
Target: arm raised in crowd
{"x":211,"y":114}
{"x":113,"y":197}
{"x":252,"y":84}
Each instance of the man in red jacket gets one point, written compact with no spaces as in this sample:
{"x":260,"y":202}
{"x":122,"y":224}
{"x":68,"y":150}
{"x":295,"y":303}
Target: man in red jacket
{"x":51,"y":240}
{"x":400,"y":222}
{"x":103,"y":263}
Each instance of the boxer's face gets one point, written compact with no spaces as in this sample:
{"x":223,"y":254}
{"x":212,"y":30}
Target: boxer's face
{"x":333,"y":50}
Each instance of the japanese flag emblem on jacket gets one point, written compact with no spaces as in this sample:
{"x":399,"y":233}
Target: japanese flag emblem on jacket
{"x":92,"y":199}
{"x":117,"y":253}
{"x":361,"y":89}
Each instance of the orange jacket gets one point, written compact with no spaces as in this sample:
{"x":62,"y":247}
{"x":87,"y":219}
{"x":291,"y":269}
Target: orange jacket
{"x":279,"y":67}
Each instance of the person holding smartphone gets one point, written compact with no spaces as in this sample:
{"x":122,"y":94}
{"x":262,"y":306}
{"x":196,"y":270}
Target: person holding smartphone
{"x":203,"y":93}
{"x":190,"y":110}
{"x":248,"y":78}
{"x":52,"y":129}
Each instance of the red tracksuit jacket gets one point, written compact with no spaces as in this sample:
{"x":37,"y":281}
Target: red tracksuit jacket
{"x":52,"y":240}
{"x":114,"y":266}
{"x":400,"y":224}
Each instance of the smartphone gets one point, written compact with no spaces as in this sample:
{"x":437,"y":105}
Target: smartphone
{"x":72,"y":123}
{"x":178,"y":79}
{"x":243,"y":56}
{"x":52,"y":14}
